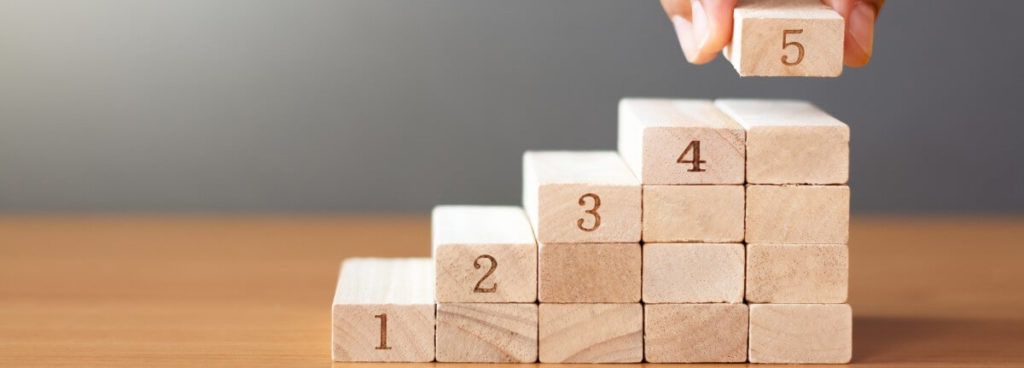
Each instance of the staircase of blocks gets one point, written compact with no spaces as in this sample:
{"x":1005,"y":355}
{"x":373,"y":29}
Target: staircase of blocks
{"x":716,"y":233}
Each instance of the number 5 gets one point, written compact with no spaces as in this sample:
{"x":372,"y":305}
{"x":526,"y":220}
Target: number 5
{"x":799,"y":47}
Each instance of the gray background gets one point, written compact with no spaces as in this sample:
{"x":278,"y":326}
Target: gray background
{"x":223,"y":105}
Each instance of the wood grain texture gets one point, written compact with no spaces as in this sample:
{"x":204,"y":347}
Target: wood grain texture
{"x":484,"y":254}
{"x":487,"y":332}
{"x":591,"y":333}
{"x":693,"y":213}
{"x":759,"y":48}
{"x":797,"y":273}
{"x":800,"y":333}
{"x":695,"y":333}
{"x":791,"y":142}
{"x":655,"y":133}
{"x":693,"y":273}
{"x":589,"y":273}
{"x":581,"y":197}
{"x":252,"y":290}
{"x":384,"y":311}
{"x":798,"y":214}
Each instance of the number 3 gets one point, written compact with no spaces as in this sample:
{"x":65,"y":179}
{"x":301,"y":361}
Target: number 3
{"x":592,"y":211}
{"x":799,"y":47}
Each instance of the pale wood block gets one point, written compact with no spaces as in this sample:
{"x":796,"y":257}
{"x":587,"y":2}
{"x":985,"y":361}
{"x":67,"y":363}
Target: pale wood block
{"x":801,"y":333}
{"x":798,"y":214}
{"x":791,"y":142}
{"x":383,"y":311}
{"x":484,"y":254}
{"x":691,"y":213}
{"x":487,"y":333}
{"x":797,"y":273}
{"x":693,"y":273}
{"x":581,"y":197}
{"x":669,"y":141}
{"x":786,"y":38}
{"x":589,"y":273}
{"x":695,"y":333}
{"x":591,"y":333}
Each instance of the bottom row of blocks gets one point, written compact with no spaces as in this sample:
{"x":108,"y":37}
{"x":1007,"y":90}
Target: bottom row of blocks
{"x":599,"y":333}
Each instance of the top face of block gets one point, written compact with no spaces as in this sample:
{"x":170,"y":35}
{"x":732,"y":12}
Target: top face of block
{"x":786,"y":38}
{"x":385,"y":281}
{"x":583,"y":167}
{"x":480,"y":225}
{"x":669,"y":141}
{"x":791,"y":142}
{"x":581,"y":197}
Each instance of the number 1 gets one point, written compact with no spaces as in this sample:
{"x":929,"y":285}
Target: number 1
{"x":383,"y":332}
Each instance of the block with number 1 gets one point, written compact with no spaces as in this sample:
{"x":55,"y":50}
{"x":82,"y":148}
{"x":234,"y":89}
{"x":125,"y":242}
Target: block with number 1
{"x":581,"y":197}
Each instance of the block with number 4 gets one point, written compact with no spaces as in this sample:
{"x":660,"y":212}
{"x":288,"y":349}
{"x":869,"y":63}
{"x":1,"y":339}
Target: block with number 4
{"x":384,"y":311}
{"x":581,"y":197}
{"x":669,"y":141}
{"x":484,"y":254}
{"x":786,"y":38}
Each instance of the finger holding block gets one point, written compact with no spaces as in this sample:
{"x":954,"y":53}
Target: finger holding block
{"x":581,"y":197}
{"x":383,"y":311}
{"x":786,"y":38}
{"x":695,"y":333}
{"x":487,"y":332}
{"x":669,"y":141}
{"x":693,"y":213}
{"x":484,"y":254}
{"x":798,"y":214}
{"x":693,"y":273}
{"x":791,"y":142}
{"x":591,"y":333}
{"x":801,"y":333}
{"x":797,"y":273}
{"x":589,"y":273}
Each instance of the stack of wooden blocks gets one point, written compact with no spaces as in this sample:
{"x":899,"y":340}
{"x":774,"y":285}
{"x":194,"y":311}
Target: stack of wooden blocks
{"x":717,"y":233}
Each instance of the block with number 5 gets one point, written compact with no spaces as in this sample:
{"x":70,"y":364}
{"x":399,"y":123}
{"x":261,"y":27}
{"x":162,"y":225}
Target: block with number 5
{"x":668,"y":141}
{"x":581,"y":197}
{"x":776,"y":38}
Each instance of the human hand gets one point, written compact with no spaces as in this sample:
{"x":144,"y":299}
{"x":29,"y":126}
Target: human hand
{"x":704,"y":27}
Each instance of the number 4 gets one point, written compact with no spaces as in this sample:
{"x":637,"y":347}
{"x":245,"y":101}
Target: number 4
{"x":694,"y":148}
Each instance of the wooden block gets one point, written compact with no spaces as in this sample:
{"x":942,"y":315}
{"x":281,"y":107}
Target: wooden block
{"x":581,"y":197}
{"x":484,"y":254}
{"x":589,"y":273}
{"x":801,"y":333}
{"x":791,"y":142}
{"x":797,"y":273}
{"x":384,"y":311}
{"x":681,"y":142}
{"x":487,"y":333}
{"x":798,"y":214}
{"x":591,"y":333}
{"x":693,"y":273}
{"x":786,"y":38}
{"x":693,"y":213}
{"x":695,"y":333}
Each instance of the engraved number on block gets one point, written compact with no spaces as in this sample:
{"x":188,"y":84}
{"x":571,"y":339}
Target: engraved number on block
{"x":592,"y":211}
{"x":494,"y":265}
{"x":799,"y":47}
{"x":692,"y":149}
{"x":383,"y":332}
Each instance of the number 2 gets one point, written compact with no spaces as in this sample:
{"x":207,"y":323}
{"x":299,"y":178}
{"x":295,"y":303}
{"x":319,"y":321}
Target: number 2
{"x":592,"y":211}
{"x":694,"y":148}
{"x":494,"y":265}
{"x":799,"y":47}
{"x":383,"y":332}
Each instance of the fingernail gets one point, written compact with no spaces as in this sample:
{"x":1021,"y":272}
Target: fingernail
{"x":684,"y":30}
{"x":700,"y":24}
{"x":862,"y":26}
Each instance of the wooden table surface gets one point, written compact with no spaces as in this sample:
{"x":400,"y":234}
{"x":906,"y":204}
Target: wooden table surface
{"x":256,"y":290}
